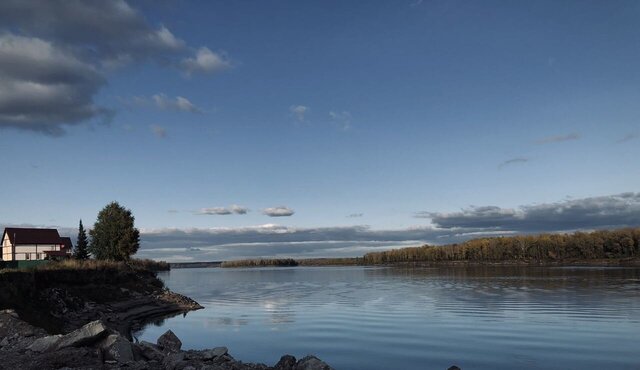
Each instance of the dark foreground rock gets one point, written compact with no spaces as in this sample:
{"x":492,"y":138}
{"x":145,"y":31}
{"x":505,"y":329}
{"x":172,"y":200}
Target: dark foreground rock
{"x":96,"y":346}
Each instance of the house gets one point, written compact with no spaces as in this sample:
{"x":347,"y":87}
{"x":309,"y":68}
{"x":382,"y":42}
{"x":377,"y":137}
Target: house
{"x":20,"y":244}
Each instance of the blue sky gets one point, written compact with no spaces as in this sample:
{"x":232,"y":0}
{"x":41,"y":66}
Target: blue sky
{"x":376,"y":117}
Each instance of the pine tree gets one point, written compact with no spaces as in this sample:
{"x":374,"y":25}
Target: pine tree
{"x":81,"y":252}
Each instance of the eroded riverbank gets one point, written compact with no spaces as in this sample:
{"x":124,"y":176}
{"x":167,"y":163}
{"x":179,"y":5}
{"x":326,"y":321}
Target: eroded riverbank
{"x":81,"y":318}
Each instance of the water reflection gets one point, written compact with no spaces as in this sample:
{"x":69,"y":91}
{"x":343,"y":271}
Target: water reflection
{"x":481,"y":317}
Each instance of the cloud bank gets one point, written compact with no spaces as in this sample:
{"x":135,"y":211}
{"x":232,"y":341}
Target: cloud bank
{"x":54,"y":56}
{"x":613,"y":211}
{"x":271,"y":240}
{"x":618,"y":210}
{"x":43,"y":86}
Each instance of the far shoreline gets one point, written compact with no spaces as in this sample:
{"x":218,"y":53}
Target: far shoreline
{"x":325,"y":262}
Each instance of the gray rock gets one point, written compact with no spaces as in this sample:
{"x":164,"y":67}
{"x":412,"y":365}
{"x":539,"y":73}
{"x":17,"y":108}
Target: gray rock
{"x":312,"y":363}
{"x":210,"y":354}
{"x":172,"y":360}
{"x":4,"y":342}
{"x":287,"y":362}
{"x":169,"y":342}
{"x":211,"y":367}
{"x":45,"y":344}
{"x":10,"y":312}
{"x":118,"y":348}
{"x":150,"y":352}
{"x":87,"y":334}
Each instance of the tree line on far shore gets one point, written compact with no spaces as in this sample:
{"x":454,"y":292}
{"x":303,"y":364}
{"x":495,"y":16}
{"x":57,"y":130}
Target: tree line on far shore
{"x":260,"y":262}
{"x":603,"y":244}
{"x":290,"y":262}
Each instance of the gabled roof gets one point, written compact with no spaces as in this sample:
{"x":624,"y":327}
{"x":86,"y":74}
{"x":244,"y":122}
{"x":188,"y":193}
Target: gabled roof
{"x":19,"y":235}
{"x":67,"y":242}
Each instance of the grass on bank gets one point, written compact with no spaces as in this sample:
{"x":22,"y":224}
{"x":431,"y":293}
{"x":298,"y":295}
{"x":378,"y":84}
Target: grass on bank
{"x":92,"y":264}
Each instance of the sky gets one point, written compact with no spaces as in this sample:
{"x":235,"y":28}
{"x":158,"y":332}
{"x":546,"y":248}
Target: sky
{"x":238,"y":129}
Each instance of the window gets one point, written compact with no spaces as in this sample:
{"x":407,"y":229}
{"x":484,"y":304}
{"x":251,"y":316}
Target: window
{"x":38,"y":256}
{"x":27,"y":256}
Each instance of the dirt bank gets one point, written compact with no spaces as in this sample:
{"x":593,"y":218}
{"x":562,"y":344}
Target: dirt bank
{"x":63,"y":299}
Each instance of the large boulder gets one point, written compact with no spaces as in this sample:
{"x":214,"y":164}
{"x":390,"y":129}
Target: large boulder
{"x":117,"y":348}
{"x":45,"y":344}
{"x":150,"y":351}
{"x":312,"y":363}
{"x":173,"y":360}
{"x":287,"y":362}
{"x":211,"y":354}
{"x":169,"y":342}
{"x":86,"y":335}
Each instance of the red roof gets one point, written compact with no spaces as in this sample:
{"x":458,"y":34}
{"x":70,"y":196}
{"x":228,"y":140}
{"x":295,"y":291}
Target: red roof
{"x":19,"y":235}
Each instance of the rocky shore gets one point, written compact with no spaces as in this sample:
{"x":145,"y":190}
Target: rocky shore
{"x":96,"y":346}
{"x":81,"y":318}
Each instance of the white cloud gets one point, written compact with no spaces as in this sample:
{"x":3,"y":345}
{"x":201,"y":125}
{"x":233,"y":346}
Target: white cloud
{"x":341,"y":118}
{"x":178,"y":104}
{"x":280,"y":211}
{"x":298,"y":112}
{"x":206,"y":61}
{"x":222,"y":211}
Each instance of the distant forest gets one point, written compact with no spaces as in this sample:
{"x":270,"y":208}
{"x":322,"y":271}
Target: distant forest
{"x":604,"y":244}
{"x":284,"y":262}
{"x":622,"y":243}
{"x":288,"y":262}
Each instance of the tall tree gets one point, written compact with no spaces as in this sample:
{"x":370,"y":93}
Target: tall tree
{"x":81,"y":252}
{"x":114,"y":237}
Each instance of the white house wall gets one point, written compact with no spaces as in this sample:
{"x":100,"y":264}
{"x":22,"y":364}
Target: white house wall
{"x":34,"y":251}
{"x":6,"y":248}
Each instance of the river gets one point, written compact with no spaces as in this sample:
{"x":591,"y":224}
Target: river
{"x":367,"y":318}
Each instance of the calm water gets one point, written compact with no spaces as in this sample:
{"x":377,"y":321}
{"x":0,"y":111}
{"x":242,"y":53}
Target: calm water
{"x":420,"y":318}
